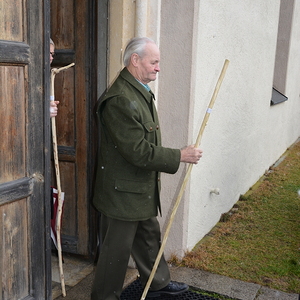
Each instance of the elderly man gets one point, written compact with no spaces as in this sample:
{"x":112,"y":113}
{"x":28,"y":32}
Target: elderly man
{"x":128,"y":177}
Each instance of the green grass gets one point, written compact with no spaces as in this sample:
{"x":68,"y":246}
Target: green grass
{"x":259,"y":239}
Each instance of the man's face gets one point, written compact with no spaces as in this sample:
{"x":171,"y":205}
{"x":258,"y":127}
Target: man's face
{"x":51,"y":53}
{"x":148,"y":66}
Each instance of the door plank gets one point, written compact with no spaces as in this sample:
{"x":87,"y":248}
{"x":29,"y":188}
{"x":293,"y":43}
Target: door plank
{"x":14,"y":263}
{"x":11,"y":21}
{"x":64,"y":89}
{"x":73,"y":122}
{"x":12,"y":116}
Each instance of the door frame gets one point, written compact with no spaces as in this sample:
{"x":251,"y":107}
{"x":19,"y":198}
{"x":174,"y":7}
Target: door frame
{"x":99,"y":11}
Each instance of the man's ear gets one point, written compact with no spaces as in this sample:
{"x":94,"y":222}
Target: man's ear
{"x":134,"y":59}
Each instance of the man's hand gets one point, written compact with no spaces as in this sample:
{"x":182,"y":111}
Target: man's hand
{"x":190,"y":154}
{"x":53,"y":108}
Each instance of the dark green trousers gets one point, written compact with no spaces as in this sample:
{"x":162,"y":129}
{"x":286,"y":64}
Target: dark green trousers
{"x":141,"y":239}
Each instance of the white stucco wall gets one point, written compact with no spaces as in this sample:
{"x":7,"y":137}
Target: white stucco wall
{"x":244,"y":135}
{"x":292,"y":111}
{"x":174,"y":106}
{"x":240,"y":131}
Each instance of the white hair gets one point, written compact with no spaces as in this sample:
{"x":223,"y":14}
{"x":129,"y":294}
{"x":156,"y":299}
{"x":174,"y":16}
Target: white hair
{"x":135,"y":45}
{"x":52,"y":43}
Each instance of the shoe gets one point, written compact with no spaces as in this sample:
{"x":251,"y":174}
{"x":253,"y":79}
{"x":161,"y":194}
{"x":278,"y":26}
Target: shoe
{"x":173,"y":288}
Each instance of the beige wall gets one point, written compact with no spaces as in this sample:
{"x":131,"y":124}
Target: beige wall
{"x":128,"y":19}
{"x":120,"y":29}
{"x":244,"y":135}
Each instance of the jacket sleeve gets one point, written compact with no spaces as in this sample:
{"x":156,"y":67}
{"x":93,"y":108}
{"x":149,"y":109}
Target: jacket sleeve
{"x":134,"y":135}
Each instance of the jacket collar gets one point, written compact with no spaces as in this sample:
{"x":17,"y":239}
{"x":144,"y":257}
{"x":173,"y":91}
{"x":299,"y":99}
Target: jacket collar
{"x":126,"y":75}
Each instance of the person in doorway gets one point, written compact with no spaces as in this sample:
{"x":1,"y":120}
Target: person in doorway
{"x":127,"y":185}
{"x":53,"y":113}
{"x":53,"y":104}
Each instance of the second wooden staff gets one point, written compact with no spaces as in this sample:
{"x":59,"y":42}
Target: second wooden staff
{"x":55,"y":71}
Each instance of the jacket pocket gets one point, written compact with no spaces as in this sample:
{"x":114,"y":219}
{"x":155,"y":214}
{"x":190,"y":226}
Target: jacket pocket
{"x":130,"y":186}
{"x":150,"y":126}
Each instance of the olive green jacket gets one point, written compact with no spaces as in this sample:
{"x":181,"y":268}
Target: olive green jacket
{"x":130,"y":157}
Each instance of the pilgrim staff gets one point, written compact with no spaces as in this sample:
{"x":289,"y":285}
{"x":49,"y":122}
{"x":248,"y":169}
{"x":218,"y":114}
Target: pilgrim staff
{"x":186,"y":178}
{"x":55,"y":71}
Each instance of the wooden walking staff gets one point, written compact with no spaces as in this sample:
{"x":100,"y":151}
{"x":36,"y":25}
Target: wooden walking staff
{"x":55,"y":71}
{"x":187,"y":175}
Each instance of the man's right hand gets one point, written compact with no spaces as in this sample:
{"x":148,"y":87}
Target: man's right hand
{"x":190,"y":154}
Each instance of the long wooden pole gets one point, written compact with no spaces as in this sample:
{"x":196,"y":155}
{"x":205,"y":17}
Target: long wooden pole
{"x":186,"y":178}
{"x":55,"y":71}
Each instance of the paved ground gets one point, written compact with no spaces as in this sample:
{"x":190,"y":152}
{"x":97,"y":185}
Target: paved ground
{"x":196,"y":278}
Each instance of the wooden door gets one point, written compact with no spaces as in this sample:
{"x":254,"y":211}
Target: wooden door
{"x":72,"y":22}
{"x":24,"y":144}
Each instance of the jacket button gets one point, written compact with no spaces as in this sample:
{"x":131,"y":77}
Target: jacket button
{"x":158,"y":179}
{"x":157,"y":127}
{"x":151,"y":128}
